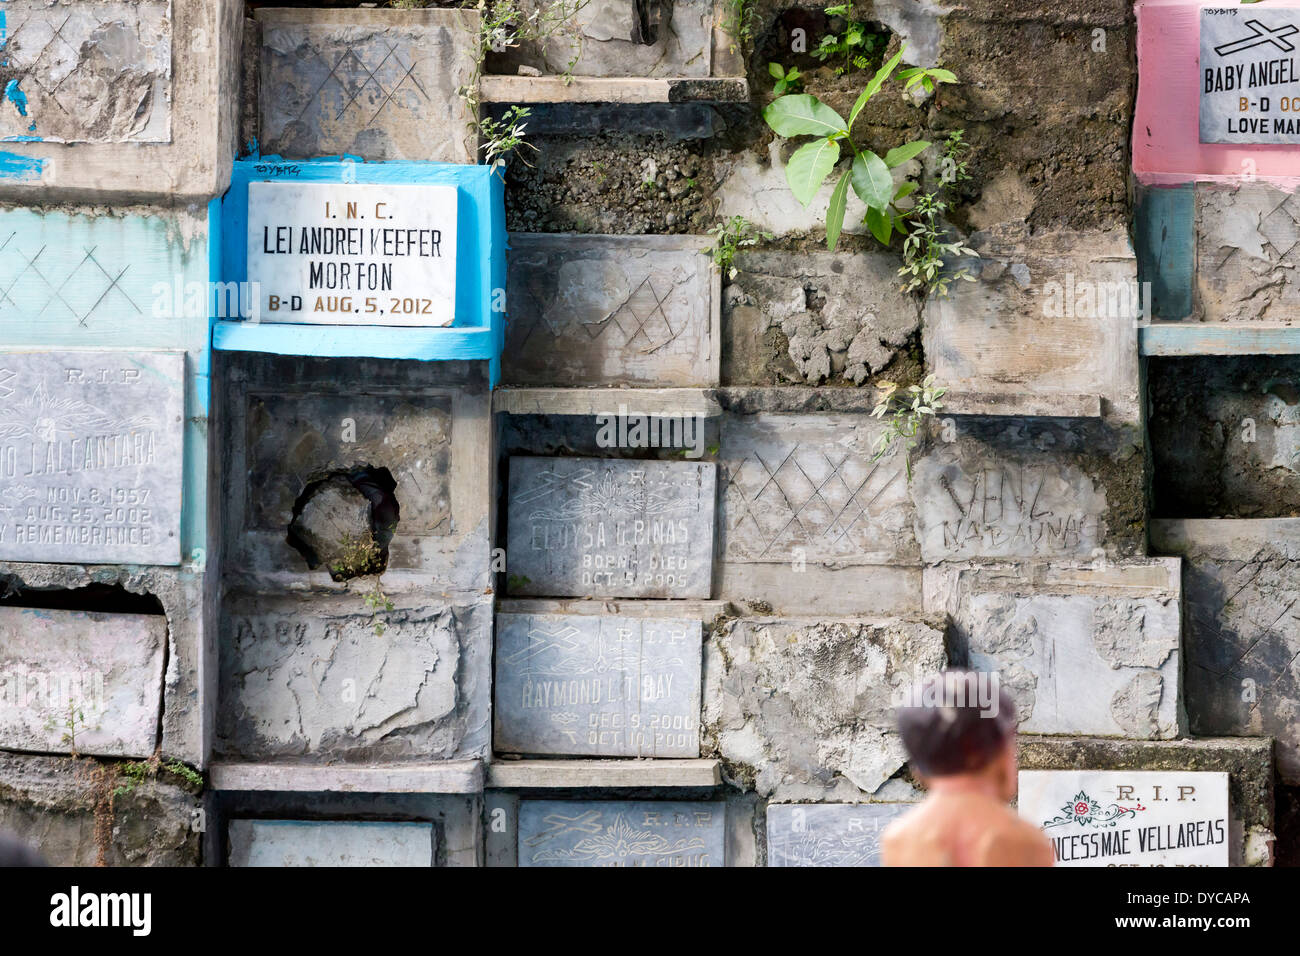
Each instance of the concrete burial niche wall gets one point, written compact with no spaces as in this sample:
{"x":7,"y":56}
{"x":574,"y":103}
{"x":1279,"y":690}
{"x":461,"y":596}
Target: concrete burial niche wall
{"x":380,"y":84}
{"x":106,"y":402}
{"x":124,"y":100}
{"x":364,"y":478}
{"x":331,"y":843}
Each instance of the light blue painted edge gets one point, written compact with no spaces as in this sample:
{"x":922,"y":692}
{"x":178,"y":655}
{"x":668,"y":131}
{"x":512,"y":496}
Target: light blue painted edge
{"x":1205,"y":338}
{"x":477,"y":333}
{"x":1166,"y":247}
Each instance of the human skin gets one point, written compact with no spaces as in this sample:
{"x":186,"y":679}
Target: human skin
{"x":965,"y":821}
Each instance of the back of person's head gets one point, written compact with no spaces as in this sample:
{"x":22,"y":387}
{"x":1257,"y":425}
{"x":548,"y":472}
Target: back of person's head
{"x":956,"y":722}
{"x":14,"y":852}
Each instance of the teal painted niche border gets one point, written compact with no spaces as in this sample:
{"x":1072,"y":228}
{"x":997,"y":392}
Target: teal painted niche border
{"x":478,"y":331}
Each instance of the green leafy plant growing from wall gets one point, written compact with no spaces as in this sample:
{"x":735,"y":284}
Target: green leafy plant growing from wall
{"x":928,"y":247}
{"x":729,"y":237}
{"x":740,"y":23}
{"x":358,"y":558}
{"x":904,"y":412}
{"x":505,"y":25}
{"x":869,"y":175}
{"x":854,"y":47}
{"x":787,"y":81}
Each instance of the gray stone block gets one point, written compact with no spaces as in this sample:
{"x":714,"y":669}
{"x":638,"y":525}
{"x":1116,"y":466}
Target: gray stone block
{"x":842,"y":316}
{"x":580,"y":685}
{"x":1241,"y":640}
{"x":828,"y":834}
{"x":78,"y":682}
{"x":603,"y":39}
{"x":808,"y":487}
{"x":1082,"y":651}
{"x":610,"y":528}
{"x":1247,"y":246}
{"x":803,"y":709}
{"x":89,"y":72}
{"x":121,"y":99}
{"x":57,"y":805}
{"x":621,"y":833}
{"x":379,"y":84}
{"x":91,"y":456}
{"x":1015,"y":490}
{"x":313,"y":679}
{"x":1057,"y":313}
{"x":331,"y":843}
{"x":616,"y":310}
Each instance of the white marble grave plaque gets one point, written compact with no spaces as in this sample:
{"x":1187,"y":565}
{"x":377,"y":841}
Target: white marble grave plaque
{"x":593,"y":527}
{"x":331,"y":843}
{"x":1249,"y":78}
{"x":339,"y":254}
{"x":828,"y":834}
{"x":621,"y":833}
{"x":1129,"y":817}
{"x":589,"y":685}
{"x":91,"y":456}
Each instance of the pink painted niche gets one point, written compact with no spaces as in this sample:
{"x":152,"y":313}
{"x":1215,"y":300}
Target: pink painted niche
{"x":1166,"y":129}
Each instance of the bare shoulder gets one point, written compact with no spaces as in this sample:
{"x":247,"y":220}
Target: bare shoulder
{"x":1014,"y":842}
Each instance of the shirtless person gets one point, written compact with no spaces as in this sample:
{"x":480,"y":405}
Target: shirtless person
{"x":964,"y":752}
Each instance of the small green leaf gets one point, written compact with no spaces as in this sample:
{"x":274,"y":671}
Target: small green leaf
{"x":802,"y":114}
{"x":947,"y":76}
{"x":880,"y":224}
{"x":904,"y":190}
{"x":835,"y":212}
{"x":776,"y":70}
{"x":871,"y":180}
{"x":809,"y":167}
{"x":901,"y":154}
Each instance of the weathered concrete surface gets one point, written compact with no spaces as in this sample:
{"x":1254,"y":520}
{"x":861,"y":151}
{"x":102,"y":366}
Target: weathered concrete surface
{"x":621,"y":833}
{"x":836,"y":317}
{"x":581,"y":685}
{"x":1082,"y":650}
{"x":611,"y":528}
{"x":1000,"y":487}
{"x":64,"y":809}
{"x":88,"y":73}
{"x":1055,"y":312}
{"x":1246,"y":253}
{"x":802,"y":709}
{"x":331,"y":843}
{"x":77,"y":682}
{"x":187,"y":707}
{"x":313,"y":679}
{"x":1241,"y":642}
{"x":1248,"y":763}
{"x":1225,"y":436}
{"x":291,"y":421}
{"x":380,"y":84}
{"x":604,"y":40}
{"x":828,"y":834}
{"x":130,"y":101}
{"x":615,"y":310}
{"x":336,"y":525}
{"x":93,"y":445}
{"x":812,"y":483}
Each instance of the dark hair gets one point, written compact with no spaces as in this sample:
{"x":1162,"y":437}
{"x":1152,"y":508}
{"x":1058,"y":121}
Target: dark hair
{"x":946,"y":730}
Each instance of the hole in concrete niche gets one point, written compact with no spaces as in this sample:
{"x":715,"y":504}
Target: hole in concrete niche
{"x":646,"y":17}
{"x":100,"y":598}
{"x":344,"y":520}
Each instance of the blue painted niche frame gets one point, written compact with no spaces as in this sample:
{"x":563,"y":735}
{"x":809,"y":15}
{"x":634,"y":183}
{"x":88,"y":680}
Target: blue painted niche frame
{"x":478,"y":332}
